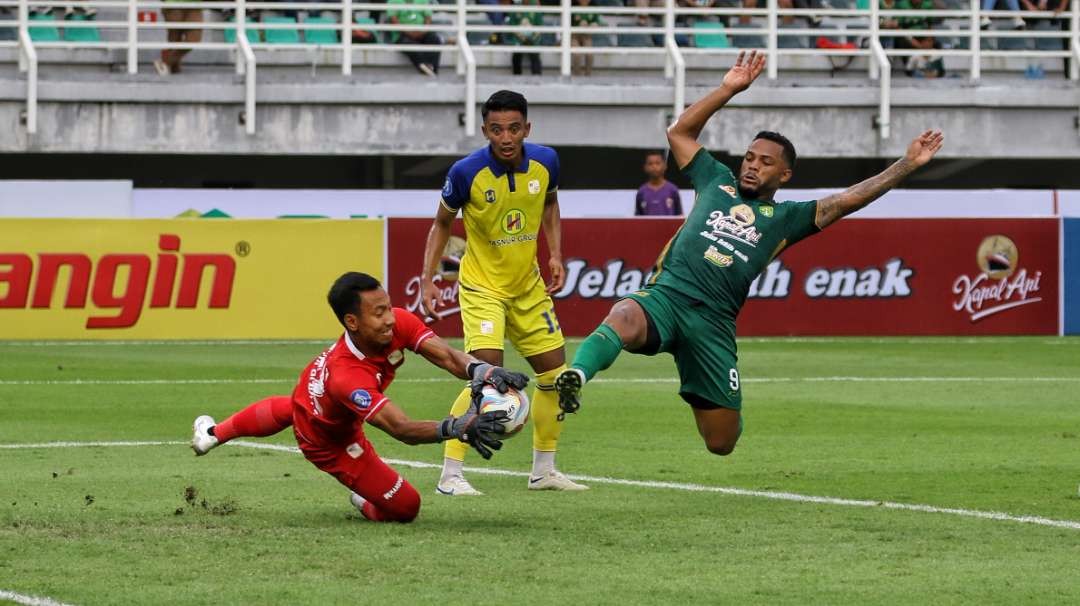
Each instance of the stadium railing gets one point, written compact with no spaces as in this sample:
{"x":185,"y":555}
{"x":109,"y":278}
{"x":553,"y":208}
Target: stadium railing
{"x":841,"y":30}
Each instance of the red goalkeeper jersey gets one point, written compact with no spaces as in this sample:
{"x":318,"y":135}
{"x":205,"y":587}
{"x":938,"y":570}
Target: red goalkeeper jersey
{"x":342,"y":387}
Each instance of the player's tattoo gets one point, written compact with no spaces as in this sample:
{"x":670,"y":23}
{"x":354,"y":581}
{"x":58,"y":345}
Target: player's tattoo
{"x":831,"y":208}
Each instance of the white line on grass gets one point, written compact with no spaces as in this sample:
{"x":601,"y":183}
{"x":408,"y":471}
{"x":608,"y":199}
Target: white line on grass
{"x":29,"y":600}
{"x":945,"y":340}
{"x":840,"y":379}
{"x":742,"y":492}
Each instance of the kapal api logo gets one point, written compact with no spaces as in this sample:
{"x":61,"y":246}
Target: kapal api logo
{"x":445,"y":281}
{"x":1001,"y":284}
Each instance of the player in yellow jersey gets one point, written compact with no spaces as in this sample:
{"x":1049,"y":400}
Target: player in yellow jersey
{"x":505,"y":191}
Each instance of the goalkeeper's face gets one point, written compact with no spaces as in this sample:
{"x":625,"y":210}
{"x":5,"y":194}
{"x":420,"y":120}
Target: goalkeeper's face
{"x":373,"y":323}
{"x":506,"y":131}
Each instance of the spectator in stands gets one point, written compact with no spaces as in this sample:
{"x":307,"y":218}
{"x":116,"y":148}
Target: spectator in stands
{"x":169,"y":63}
{"x":426,"y":63}
{"x":923,"y":66}
{"x":1057,"y":7}
{"x":1013,"y":5}
{"x":525,"y":39}
{"x":582,"y":64}
{"x":657,"y":196}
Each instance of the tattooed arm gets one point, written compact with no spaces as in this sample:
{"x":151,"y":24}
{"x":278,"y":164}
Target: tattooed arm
{"x":831,"y":208}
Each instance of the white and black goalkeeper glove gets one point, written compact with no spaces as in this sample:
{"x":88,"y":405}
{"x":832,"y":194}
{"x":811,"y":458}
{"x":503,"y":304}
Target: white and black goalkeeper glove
{"x":498,"y":377}
{"x":481,"y":431}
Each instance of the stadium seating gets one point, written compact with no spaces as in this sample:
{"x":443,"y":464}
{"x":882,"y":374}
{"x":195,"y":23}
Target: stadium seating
{"x":280,"y":36}
{"x":81,"y":34}
{"x":320,"y":36}
{"x":43,"y":32}
{"x":230,"y":34}
{"x":710,"y":34}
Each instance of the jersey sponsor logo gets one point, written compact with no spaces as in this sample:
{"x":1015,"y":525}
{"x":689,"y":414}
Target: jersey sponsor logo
{"x":389,"y":494}
{"x":447,"y":188}
{"x":714,"y":256}
{"x":361,"y":398}
{"x":534,"y":186}
{"x":395,"y":357}
{"x":354,"y":450}
{"x":735,"y":226}
{"x":612,"y":280}
{"x":487,"y":327}
{"x":1001,"y":284}
{"x":513,"y":221}
{"x":489,"y":196}
{"x":766,"y":211}
{"x":317,"y":381}
{"x":120,"y":281}
{"x":729,"y":190}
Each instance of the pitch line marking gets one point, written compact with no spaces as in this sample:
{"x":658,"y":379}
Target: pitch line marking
{"x":290,"y":381}
{"x":944,"y":340}
{"x":680,"y":486}
{"x":28,"y":600}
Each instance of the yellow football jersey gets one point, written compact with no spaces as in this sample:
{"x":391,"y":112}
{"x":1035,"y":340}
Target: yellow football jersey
{"x":502,"y":210}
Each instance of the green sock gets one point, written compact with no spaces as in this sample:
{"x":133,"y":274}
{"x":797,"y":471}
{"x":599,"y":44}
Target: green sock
{"x":598,"y":351}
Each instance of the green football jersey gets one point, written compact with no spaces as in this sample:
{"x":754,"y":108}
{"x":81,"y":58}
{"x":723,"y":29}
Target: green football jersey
{"x":727,"y":240}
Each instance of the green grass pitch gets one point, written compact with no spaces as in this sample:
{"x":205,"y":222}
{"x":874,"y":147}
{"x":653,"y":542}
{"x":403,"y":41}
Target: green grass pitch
{"x":976,"y":425}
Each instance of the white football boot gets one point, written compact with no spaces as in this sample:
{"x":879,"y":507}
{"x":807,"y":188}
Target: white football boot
{"x":457,"y":486}
{"x":202,"y":441}
{"x":357,"y":501}
{"x":555,"y":480}
{"x":568,"y":385}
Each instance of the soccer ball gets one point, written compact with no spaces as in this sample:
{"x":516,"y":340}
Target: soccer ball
{"x":513,"y":402}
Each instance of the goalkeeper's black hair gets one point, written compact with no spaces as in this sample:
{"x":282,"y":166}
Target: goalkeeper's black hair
{"x":344,"y":295}
{"x":505,"y":101}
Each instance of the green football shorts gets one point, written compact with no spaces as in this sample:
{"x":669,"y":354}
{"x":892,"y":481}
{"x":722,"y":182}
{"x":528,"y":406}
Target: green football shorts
{"x":703,"y":347}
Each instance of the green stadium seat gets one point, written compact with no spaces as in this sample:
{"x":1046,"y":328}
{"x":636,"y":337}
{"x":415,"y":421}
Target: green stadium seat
{"x":710,"y":34}
{"x":320,"y":36}
{"x":230,"y":34}
{"x":44,"y":33}
{"x":367,"y":21}
{"x":280,"y":36}
{"x":81,"y":34}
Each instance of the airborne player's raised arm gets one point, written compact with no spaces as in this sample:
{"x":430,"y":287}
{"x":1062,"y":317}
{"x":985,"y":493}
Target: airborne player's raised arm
{"x":683,"y":134}
{"x":831,"y":208}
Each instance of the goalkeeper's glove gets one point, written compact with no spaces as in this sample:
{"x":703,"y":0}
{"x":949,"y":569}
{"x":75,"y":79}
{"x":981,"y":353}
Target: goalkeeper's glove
{"x":481,"y":431}
{"x":496,"y":376}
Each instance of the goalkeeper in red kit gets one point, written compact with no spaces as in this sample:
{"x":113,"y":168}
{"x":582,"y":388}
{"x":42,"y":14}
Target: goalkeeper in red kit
{"x":342,"y":389}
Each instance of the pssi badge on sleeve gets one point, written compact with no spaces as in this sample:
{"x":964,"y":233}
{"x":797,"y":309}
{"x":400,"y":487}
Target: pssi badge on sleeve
{"x":361,"y":398}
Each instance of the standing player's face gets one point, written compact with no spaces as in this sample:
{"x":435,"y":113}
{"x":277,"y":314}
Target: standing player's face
{"x":506,"y":131}
{"x":374,"y":324}
{"x":655,"y":167}
{"x":763,"y":169}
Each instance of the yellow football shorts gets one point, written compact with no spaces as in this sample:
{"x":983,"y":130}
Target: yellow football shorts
{"x":528,"y":320}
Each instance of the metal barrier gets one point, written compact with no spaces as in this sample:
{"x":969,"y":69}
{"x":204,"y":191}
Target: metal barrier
{"x":671,"y":31}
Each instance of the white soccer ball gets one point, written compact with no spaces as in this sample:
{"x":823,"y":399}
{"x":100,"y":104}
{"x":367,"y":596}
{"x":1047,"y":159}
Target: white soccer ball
{"x":513,"y":402}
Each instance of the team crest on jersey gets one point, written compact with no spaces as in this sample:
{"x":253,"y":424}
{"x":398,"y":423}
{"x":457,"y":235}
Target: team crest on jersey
{"x":718,"y":258}
{"x":729,"y":190}
{"x":395,"y":357}
{"x":489,"y":196}
{"x":743,"y":214}
{"x":766,"y":211}
{"x":514,"y":221}
{"x":447,"y":188}
{"x":361,"y":398}
{"x":534,"y":186}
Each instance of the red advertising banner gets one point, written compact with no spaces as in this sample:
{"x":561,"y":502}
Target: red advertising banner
{"x":859,"y":277}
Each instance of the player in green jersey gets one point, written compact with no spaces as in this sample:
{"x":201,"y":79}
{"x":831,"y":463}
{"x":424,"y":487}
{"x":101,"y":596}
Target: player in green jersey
{"x":703,"y":275}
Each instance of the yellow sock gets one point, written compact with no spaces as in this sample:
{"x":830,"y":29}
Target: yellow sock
{"x":456,"y":449}
{"x":545,"y":409}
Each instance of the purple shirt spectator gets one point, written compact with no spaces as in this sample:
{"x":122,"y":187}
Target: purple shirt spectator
{"x":658,"y":201}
